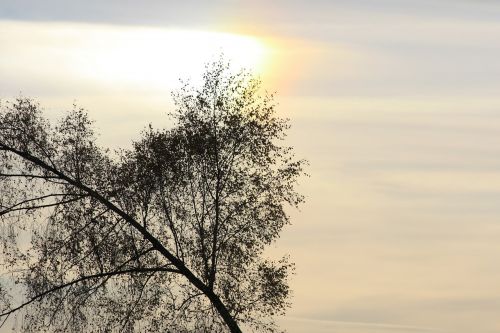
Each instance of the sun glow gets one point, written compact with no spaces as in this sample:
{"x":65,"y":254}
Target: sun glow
{"x":121,"y":56}
{"x":156,"y":58}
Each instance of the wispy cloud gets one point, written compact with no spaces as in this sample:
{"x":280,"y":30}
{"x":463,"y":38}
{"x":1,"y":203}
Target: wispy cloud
{"x":321,"y":325}
{"x":395,"y":104}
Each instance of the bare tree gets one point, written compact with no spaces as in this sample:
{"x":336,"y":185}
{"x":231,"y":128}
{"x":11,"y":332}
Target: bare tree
{"x":166,"y":236}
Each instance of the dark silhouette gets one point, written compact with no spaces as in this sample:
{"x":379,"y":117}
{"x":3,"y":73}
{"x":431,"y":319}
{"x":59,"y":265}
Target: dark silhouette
{"x":167,"y":236}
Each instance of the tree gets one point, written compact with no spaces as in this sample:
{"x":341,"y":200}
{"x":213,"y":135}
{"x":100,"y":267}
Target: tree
{"x":166,"y":236}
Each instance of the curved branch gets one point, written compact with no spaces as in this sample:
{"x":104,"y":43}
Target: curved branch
{"x":13,"y":207}
{"x":88,"y":277}
{"x":178,"y":263}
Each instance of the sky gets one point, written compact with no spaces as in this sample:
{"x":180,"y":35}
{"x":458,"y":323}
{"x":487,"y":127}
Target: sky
{"x":393,"y":102}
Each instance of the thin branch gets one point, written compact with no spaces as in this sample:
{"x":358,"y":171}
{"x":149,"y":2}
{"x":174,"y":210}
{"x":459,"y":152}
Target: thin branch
{"x":38,"y":199}
{"x":88,"y":277}
{"x":170,"y":222}
{"x":92,"y":220}
{"x":9,"y":210}
{"x":188,"y":300}
{"x":132,"y":308}
{"x":27,"y":175}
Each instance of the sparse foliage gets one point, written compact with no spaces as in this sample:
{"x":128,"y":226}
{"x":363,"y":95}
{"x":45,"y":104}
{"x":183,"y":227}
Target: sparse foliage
{"x":166,"y":236}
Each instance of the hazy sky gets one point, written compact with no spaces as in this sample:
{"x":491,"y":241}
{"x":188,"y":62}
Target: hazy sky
{"x":394,"y":103}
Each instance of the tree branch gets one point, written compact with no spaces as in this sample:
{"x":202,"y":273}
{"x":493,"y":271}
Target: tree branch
{"x":88,"y":277}
{"x":179,"y":264}
{"x":13,"y":209}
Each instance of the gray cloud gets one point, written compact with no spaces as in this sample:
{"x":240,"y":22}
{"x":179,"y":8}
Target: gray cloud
{"x":300,"y":12}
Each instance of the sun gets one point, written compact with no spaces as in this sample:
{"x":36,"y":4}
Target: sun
{"x":156,"y":58}
{"x":113,"y":58}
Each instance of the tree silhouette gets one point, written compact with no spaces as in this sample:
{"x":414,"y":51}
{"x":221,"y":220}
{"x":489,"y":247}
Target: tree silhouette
{"x":166,"y":236}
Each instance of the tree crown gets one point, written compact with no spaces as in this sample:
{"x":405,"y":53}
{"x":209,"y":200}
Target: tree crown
{"x":168,"y":235}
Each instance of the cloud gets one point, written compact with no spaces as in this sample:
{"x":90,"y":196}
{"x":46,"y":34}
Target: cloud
{"x":294,"y":324}
{"x":395,"y":105}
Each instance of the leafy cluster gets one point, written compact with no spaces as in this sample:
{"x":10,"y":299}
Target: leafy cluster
{"x":165,"y":236}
